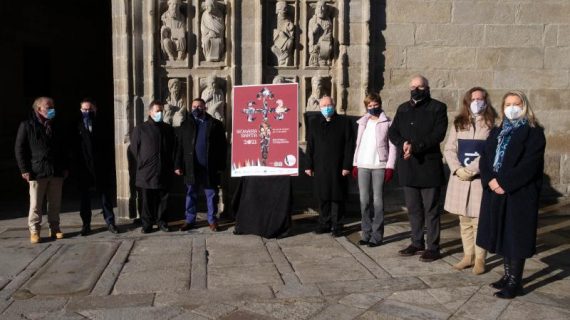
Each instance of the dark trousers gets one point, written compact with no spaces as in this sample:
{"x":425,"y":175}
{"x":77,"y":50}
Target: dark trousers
{"x":106,"y":204}
{"x":423,"y":210}
{"x":331,"y":213}
{"x":154,"y":203}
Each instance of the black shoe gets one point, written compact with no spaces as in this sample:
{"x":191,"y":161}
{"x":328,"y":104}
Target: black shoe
{"x":374,"y":245}
{"x":283,"y":235}
{"x":163,"y":227}
{"x":322,"y":229}
{"x":85,"y":230}
{"x":513,"y":287}
{"x":187,"y":226}
{"x":430,"y":256}
{"x":337,"y":232}
{"x":362,"y":242}
{"x":502,"y":283}
{"x":410,"y":251}
{"x":146,"y":230}
{"x":113,"y":228}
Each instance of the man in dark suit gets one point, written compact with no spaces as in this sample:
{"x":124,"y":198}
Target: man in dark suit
{"x":329,"y":157}
{"x":201,"y":157}
{"x":94,"y":164}
{"x":153,"y":147}
{"x":417,"y":130}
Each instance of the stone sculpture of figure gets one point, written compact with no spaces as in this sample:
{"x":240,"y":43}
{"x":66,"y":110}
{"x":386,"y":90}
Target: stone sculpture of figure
{"x":215,"y":98}
{"x":320,"y":36}
{"x":279,"y":79}
{"x":175,"y":103}
{"x":316,"y":94}
{"x":173,"y":31}
{"x":283,"y":36}
{"x":212,"y":28}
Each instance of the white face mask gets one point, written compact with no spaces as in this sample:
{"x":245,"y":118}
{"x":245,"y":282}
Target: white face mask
{"x":477,"y":106}
{"x":513,"y":112}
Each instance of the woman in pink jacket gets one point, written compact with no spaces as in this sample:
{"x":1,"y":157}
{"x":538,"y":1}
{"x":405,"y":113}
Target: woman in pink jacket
{"x":374,"y":157}
{"x":466,"y":139}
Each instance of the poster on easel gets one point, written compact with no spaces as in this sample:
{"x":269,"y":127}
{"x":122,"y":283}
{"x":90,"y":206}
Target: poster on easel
{"x":265,"y":130}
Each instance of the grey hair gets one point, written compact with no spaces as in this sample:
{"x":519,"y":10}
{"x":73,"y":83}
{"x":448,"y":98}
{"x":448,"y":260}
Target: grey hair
{"x":425,"y":81}
{"x":39,"y":101}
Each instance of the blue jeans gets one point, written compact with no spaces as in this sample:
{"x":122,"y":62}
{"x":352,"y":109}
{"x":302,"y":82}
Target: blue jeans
{"x":192,"y":197}
{"x":371,"y":182}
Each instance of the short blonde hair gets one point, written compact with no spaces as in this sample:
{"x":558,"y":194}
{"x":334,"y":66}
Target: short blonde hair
{"x":41,"y":100}
{"x":526,"y":107}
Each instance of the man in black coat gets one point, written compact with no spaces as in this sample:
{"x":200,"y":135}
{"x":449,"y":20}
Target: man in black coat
{"x":42,"y":157}
{"x":94,"y":165}
{"x":201,"y":157}
{"x":153,"y":147}
{"x":329,"y":160}
{"x":417,"y":130}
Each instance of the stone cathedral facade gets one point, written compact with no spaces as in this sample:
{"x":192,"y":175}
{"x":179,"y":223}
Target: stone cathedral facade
{"x":178,"y":50}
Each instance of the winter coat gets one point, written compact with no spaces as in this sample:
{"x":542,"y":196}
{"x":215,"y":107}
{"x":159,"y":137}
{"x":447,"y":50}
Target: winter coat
{"x":38,"y":153}
{"x":424,"y":126}
{"x":386,"y":149}
{"x":508,"y":222}
{"x":94,"y":162}
{"x":464,"y":197}
{"x":153,"y":147}
{"x":216,"y":145}
{"x":329,"y":151}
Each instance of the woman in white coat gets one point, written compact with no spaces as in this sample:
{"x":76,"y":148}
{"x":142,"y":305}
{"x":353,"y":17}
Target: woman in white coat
{"x":467,"y":137}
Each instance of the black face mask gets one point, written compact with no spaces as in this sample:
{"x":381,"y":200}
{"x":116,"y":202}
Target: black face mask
{"x":375,"y":111}
{"x":197,"y":113}
{"x":419,"y":95}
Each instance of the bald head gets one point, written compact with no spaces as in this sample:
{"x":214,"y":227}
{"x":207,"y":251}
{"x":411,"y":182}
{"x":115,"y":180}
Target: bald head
{"x":419,"y":81}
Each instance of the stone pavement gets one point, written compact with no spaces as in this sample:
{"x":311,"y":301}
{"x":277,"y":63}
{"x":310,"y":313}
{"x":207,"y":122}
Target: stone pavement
{"x":205,"y":275}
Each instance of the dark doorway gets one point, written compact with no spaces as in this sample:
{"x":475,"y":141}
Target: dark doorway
{"x":61,"y":49}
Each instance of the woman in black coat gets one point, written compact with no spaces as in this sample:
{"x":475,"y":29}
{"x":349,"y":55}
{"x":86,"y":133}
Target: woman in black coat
{"x":511,"y":172}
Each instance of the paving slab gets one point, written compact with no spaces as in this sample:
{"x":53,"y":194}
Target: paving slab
{"x":412,"y":266}
{"x":73,"y":271}
{"x":296,"y":291}
{"x":110,"y":302}
{"x":531,"y":311}
{"x":482,"y":307}
{"x":335,"y":269}
{"x":144,"y":313}
{"x":152,"y":281}
{"x":373,"y":285}
{"x":287,"y":309}
{"x":15,"y":257}
{"x":214,"y":310}
{"x":195,"y":298}
{"x":393,"y":309}
{"x":338,"y":312}
{"x":243,"y":275}
{"x":231,"y":251}
{"x":245,"y":315}
{"x":364,"y":300}
{"x":34,"y":308}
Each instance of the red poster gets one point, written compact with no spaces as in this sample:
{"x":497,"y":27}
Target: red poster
{"x":265,"y":134}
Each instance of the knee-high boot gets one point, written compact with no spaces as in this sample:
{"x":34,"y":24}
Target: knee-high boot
{"x":513,"y":287}
{"x":501,"y":283}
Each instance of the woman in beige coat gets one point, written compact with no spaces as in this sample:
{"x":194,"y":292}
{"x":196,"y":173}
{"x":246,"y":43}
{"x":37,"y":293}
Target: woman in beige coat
{"x":464,"y":190}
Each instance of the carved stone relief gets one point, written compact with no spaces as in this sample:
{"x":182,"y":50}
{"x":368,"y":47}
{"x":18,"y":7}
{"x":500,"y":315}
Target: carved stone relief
{"x":215,"y":97}
{"x":318,"y":90}
{"x":320,"y":36}
{"x":212,"y":31}
{"x":176,"y":102}
{"x":283,"y":36}
{"x":173,"y":32}
{"x":282,"y":79}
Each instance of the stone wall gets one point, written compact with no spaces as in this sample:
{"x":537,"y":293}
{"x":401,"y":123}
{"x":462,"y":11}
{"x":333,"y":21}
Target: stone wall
{"x":499,"y":45}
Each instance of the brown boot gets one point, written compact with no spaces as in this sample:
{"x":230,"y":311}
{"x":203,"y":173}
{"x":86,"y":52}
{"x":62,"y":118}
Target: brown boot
{"x":55,"y":233}
{"x":35,"y":237}
{"x":466,"y":262}
{"x":479,"y":267}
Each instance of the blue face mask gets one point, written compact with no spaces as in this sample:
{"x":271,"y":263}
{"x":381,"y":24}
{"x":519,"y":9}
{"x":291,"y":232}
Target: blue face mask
{"x":327,"y":111}
{"x":51,"y":113}
{"x":157,"y":117}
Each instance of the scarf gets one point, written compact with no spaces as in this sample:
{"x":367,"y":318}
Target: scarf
{"x":507,"y":129}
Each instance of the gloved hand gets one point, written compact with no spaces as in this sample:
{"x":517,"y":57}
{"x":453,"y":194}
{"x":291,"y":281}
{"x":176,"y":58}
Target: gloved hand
{"x":355,"y":172}
{"x":464,"y":174}
{"x":388,"y":175}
